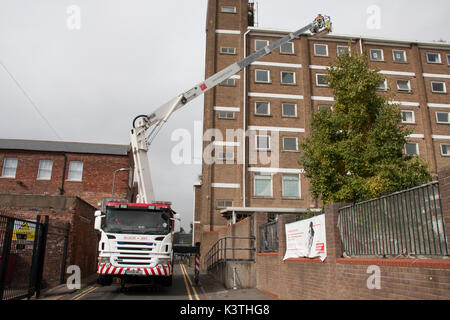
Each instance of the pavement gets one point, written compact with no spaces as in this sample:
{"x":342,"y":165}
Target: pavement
{"x":209,"y":288}
{"x":62,"y":291}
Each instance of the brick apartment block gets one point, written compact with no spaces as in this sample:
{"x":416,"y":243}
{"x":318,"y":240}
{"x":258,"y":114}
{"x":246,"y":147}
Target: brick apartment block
{"x":279,"y":94}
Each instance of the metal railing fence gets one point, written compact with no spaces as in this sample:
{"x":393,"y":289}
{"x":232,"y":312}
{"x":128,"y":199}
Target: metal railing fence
{"x":408,"y":223}
{"x":226,"y":249}
{"x":268,"y":237}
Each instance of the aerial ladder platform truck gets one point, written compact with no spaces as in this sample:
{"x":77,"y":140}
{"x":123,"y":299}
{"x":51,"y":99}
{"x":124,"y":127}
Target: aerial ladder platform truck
{"x":136,"y":242}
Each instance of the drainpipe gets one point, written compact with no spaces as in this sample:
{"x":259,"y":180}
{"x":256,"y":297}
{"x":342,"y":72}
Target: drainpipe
{"x":61,"y":189}
{"x":244,"y":112}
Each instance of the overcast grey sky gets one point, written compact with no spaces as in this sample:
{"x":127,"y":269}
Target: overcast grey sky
{"x":130,"y":56}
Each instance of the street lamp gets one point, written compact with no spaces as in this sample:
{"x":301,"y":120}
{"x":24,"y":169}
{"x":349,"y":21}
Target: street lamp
{"x":114,"y":179}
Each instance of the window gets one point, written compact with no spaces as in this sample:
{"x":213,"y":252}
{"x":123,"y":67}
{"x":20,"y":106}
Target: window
{"x":228,"y":83}
{"x":291,"y":186}
{"x":225,"y":156}
{"x":321,"y":80}
{"x":287,"y":48}
{"x":443,"y":117}
{"x":259,"y":44}
{"x":290,"y":144}
{"x":412,"y":149}
{"x":262,"y":143}
{"x":343,"y":50}
{"x":262,"y":108}
{"x":75,"y":170}
{"x":321,"y":50}
{"x":433,"y":57}
{"x":228,"y":115}
{"x":399,"y":55}
{"x":227,"y":50}
{"x":45,"y":169}
{"x":408,"y":116}
{"x":322,"y":107}
{"x":287,"y":77}
{"x":289,"y":110}
{"x":224,"y":203}
{"x":382,"y":86}
{"x":438,"y":87}
{"x":448,"y":59}
{"x":9,"y":168}
{"x":404,"y":85}
{"x":376,"y":55}
{"x":445,"y":149}
{"x":262,"y":76}
{"x":262,"y":184}
{"x":228,"y":9}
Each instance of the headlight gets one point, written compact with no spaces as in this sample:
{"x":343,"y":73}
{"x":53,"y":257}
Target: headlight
{"x":104,"y":260}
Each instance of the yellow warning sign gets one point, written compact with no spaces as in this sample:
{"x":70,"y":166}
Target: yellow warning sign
{"x":24,"y":232}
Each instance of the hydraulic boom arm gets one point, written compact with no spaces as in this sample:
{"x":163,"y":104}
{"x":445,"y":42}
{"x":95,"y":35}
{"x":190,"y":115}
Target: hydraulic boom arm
{"x":141,"y":124}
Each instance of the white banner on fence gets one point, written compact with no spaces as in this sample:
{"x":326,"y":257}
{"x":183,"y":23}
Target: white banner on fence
{"x":306,"y":239}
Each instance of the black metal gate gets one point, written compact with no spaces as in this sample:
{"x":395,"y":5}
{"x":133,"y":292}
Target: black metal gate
{"x":22,"y":250}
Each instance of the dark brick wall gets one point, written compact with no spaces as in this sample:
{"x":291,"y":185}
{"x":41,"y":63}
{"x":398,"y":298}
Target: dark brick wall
{"x":62,"y":211}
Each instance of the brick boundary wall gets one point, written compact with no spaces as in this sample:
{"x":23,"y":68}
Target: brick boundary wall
{"x":347,"y":278}
{"x":83,"y":239}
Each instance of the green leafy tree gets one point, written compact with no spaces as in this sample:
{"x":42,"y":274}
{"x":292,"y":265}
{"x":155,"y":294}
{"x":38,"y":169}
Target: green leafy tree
{"x":355,"y":151}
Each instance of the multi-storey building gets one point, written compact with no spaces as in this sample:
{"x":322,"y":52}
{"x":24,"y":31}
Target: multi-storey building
{"x":273,"y":101}
{"x":86,"y":170}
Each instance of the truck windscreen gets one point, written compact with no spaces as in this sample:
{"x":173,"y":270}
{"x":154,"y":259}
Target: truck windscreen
{"x":137,"y":221}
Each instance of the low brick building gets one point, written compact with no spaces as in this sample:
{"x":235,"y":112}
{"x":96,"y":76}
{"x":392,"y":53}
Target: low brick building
{"x":65,"y":181}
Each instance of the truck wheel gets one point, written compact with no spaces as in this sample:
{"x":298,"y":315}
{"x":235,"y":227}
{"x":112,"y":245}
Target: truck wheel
{"x":167,"y":281}
{"x":104,"y":280}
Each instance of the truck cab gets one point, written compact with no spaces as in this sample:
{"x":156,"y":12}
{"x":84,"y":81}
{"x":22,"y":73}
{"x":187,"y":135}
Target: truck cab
{"x":136,"y":242}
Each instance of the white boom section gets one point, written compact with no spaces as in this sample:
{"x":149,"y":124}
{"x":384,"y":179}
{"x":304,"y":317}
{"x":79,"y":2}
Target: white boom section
{"x":140,"y":142}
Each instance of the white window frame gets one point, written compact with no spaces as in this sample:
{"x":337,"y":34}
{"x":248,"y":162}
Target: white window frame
{"x":413,"y":116}
{"x":228,"y":9}
{"x":227,"y":50}
{"x":324,"y":106}
{"x":404,"y":90}
{"x":440,"y":122}
{"x":438,"y":55}
{"x":340,"y":47}
{"x":262,"y":114}
{"x":45,"y":173}
{"x":227,"y":156}
{"x":259,"y":40}
{"x":221,"y":204}
{"x":404,"y":55}
{"x":292,"y":51}
{"x":289,"y":177}
{"x":256,"y":143}
{"x":385,"y":86}
{"x":288,"y":116}
{"x":317,"y":80}
{"x":293,"y":74}
{"x":223,"y":115}
{"x":442,"y":150}
{"x":256,"y":76}
{"x":262,"y":176}
{"x":323,"y":45}
{"x":382,"y":55}
{"x":434,"y":91}
{"x":296,"y":144}
{"x":72,"y":171}
{"x":228,"y":83}
{"x":417,"y":149}
{"x":9,"y":167}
